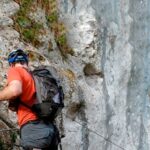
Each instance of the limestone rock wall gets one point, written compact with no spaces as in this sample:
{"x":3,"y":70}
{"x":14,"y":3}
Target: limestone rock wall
{"x":106,"y":79}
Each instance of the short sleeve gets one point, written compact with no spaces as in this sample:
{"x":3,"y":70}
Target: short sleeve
{"x":13,"y":74}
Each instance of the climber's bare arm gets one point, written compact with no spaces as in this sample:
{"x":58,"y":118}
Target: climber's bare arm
{"x":11,"y":91}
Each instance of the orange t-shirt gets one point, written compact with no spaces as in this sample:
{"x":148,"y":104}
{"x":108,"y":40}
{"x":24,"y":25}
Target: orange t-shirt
{"x":28,"y":94}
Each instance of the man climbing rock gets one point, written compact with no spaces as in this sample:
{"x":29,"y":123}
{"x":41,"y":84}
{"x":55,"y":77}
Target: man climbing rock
{"x":35,"y":133}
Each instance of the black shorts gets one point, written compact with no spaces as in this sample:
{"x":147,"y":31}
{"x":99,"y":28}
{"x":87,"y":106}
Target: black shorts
{"x":38,"y":134}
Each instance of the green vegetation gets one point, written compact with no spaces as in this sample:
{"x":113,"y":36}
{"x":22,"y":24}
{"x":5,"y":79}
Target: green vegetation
{"x":52,"y":18}
{"x":2,"y":145}
{"x":13,"y":136}
{"x":57,"y":28}
{"x":30,"y":30}
{"x":8,"y":143}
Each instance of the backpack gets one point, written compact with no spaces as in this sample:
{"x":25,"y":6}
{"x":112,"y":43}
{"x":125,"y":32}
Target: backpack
{"x":49,"y":93}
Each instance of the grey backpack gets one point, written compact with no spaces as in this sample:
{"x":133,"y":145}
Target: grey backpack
{"x":49,"y":93}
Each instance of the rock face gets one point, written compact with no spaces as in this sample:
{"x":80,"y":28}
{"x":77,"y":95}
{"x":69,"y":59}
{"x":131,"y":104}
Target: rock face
{"x":107,"y":80}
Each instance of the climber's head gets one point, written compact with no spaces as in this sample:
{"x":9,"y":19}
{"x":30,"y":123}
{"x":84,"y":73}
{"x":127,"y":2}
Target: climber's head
{"x":18,"y":56}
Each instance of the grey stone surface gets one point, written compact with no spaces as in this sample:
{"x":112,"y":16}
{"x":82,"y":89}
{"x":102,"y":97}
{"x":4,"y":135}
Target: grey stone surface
{"x":118,"y":104}
{"x":112,"y":38}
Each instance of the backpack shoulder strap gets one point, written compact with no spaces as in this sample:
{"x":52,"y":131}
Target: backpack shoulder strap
{"x":36,"y":83}
{"x":37,"y":88}
{"x":24,"y":104}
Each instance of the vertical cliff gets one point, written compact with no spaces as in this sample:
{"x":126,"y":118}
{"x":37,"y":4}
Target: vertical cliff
{"x":102,"y":51}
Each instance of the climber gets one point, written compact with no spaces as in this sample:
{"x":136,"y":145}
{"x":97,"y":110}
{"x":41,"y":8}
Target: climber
{"x":35,"y":133}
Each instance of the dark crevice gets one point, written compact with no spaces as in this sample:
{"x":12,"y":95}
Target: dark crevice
{"x":90,"y":70}
{"x":82,"y":116}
